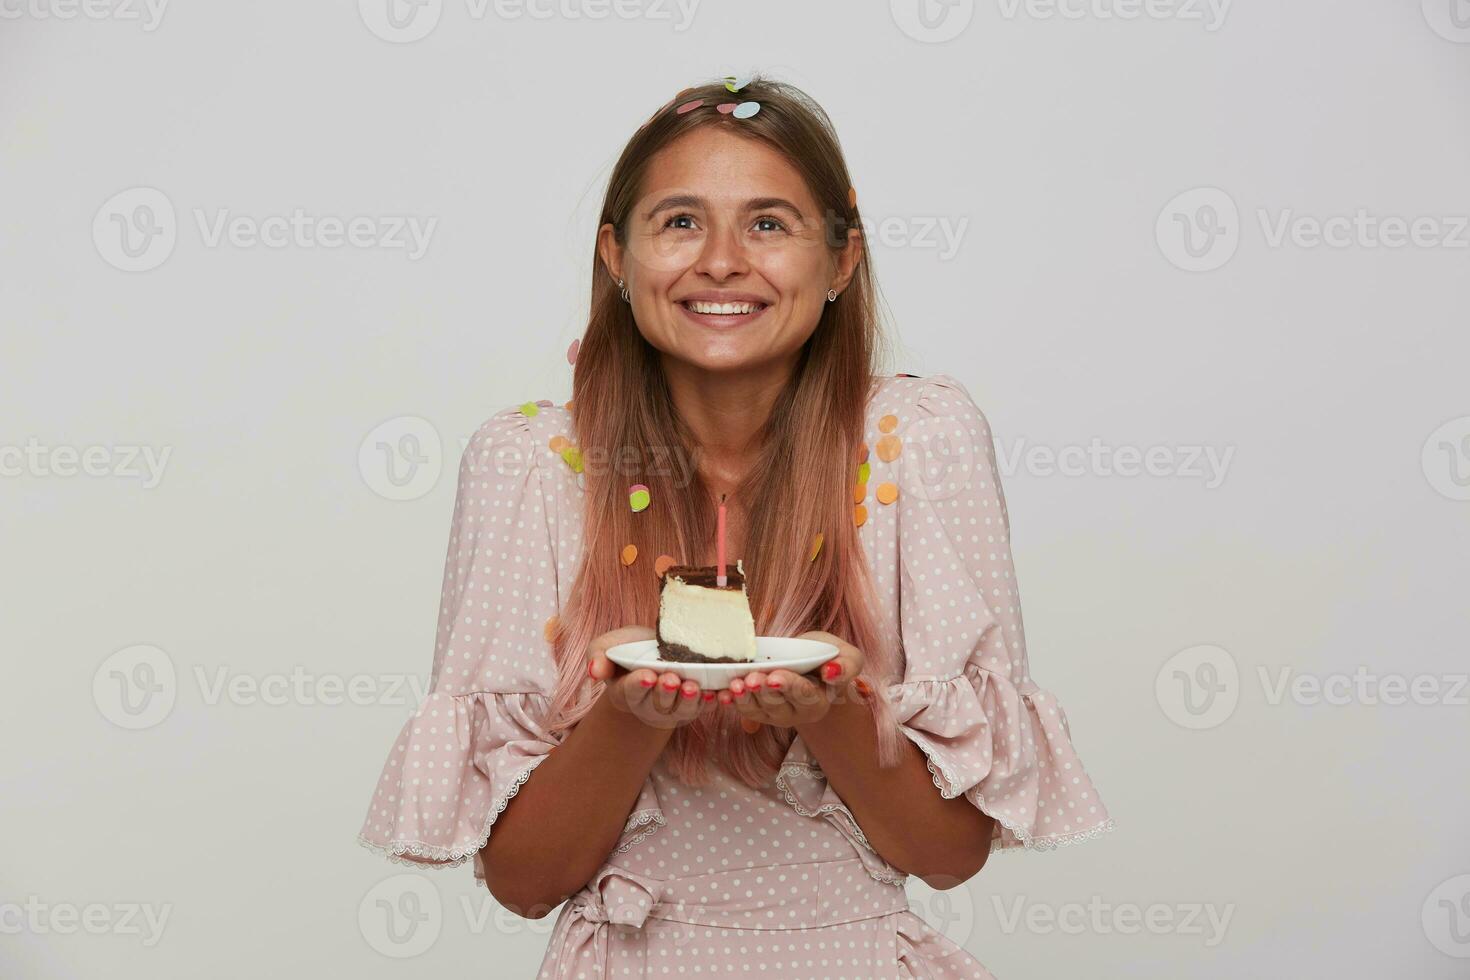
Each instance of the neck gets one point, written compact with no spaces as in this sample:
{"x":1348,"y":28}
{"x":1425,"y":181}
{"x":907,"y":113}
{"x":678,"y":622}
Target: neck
{"x":725,"y":410}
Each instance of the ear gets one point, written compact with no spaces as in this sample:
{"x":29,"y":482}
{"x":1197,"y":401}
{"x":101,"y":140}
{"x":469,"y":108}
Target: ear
{"x":610,"y":251}
{"x":847,"y":259}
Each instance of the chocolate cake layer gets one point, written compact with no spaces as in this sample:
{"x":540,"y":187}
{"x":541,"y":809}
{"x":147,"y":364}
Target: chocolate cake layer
{"x":706,"y":576}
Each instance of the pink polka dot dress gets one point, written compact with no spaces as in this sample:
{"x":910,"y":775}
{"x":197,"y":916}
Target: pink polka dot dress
{"x":727,"y":880}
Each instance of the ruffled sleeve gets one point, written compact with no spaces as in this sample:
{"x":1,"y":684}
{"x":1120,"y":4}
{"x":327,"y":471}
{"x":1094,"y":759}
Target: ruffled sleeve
{"x":967,"y":698}
{"x":482,"y":730}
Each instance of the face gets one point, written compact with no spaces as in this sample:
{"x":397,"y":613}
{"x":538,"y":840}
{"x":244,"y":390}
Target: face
{"x":726,"y":261}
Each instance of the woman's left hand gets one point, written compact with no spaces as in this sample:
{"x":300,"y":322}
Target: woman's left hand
{"x":783,"y":699}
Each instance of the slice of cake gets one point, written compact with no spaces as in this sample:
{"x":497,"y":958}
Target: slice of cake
{"x":700,"y":622}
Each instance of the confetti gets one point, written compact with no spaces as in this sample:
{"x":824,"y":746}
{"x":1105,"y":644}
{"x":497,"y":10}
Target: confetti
{"x":638,"y":497}
{"x":530,"y":408}
{"x":859,"y":493}
{"x":727,"y":107}
{"x":558,"y":443}
{"x":864,"y":471}
{"x":860,"y":515}
{"x":630,"y":554}
{"x":663,"y":563}
{"x":745,"y":110}
{"x":568,"y":405}
{"x":573,"y":457}
{"x":887,"y":493}
{"x":888,"y":448}
{"x":574,"y":350}
{"x":549,"y":630}
{"x":689,"y":106}
{"x":863,"y":453}
{"x":852,"y":197}
{"x":888,"y":423}
{"x":734,"y":83}
{"x":816,"y":546}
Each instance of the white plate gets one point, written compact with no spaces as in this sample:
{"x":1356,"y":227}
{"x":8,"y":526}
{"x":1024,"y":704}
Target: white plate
{"x":786,"y":652}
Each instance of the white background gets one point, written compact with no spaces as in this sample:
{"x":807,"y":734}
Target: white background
{"x":1336,"y":541}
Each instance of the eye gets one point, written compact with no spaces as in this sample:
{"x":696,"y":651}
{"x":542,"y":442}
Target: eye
{"x":766,"y":219}
{"x":673,"y":222}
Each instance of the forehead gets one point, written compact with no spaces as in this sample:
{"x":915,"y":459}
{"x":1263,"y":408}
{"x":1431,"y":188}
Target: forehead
{"x":724,"y":168}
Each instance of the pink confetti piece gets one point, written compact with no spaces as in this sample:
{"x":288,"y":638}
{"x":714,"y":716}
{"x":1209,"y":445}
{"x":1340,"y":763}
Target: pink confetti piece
{"x":689,"y":106}
{"x":727,"y":107}
{"x":573,"y":350}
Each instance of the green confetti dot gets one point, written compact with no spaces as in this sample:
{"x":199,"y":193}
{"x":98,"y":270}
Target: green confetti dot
{"x":638,"y":500}
{"x":573,"y":457}
{"x":864,"y":471}
{"x":530,"y":408}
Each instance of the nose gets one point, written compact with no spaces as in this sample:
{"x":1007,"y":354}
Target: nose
{"x":723,"y":255}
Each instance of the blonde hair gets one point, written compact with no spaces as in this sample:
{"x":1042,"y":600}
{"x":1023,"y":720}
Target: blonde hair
{"x":623,"y":414}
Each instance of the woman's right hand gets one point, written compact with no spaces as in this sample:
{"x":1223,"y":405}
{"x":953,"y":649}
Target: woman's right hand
{"x":658,"y":700}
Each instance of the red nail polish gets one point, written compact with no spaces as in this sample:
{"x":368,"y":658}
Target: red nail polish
{"x":589,"y":669}
{"x":709,"y":695}
{"x":670,"y":687}
{"x":831,"y":669}
{"x":754,"y":687}
{"x":646,"y":682}
{"x":773,"y":685}
{"x":687,"y":694}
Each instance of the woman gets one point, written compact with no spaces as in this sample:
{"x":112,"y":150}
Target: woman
{"x":769,"y":827}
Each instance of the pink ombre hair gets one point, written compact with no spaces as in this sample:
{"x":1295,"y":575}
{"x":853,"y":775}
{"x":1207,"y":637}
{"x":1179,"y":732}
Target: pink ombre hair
{"x":626,"y":423}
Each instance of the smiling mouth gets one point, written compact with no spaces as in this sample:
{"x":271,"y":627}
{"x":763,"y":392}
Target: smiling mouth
{"x":722,"y":309}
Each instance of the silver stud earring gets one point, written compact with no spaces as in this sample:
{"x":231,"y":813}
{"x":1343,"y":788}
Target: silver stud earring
{"x":831,"y":295}
{"x":622,"y":290}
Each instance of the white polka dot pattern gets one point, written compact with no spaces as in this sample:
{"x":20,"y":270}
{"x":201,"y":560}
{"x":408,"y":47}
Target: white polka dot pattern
{"x":732,"y":859}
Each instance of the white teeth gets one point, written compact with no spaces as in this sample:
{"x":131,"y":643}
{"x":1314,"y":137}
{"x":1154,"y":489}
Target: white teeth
{"x":725,"y":308}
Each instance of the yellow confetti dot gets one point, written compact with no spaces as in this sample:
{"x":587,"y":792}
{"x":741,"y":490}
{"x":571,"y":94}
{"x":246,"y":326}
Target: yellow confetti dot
{"x":530,"y":408}
{"x":865,"y":471}
{"x":889,"y":447}
{"x":859,"y":493}
{"x":887,"y":493}
{"x":638,"y":497}
{"x":630,"y":554}
{"x":860,"y":515}
{"x":816,"y":546}
{"x":573,"y":457}
{"x":558,"y":443}
{"x":549,"y":631}
{"x":888,"y":423}
{"x":662,"y":564}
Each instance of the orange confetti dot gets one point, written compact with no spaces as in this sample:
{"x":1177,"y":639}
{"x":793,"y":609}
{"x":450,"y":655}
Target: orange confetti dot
{"x":662,"y":564}
{"x":630,"y":554}
{"x":859,"y":493}
{"x":887,"y":493}
{"x":852,"y":197}
{"x":816,"y":546}
{"x":860,"y":515}
{"x":888,"y":423}
{"x":863,"y":453}
{"x":568,"y":405}
{"x":889,"y":447}
{"x":549,"y":630}
{"x":558,"y":443}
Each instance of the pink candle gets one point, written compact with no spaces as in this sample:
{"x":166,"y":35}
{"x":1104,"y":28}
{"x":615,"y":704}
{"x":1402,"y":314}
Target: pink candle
{"x":720,"y":544}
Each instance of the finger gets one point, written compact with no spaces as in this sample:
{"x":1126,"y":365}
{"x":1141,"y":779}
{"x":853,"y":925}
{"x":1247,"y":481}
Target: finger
{"x":626,"y":634}
{"x":666,"y":692}
{"x":755,"y":680}
{"x":689,"y":691}
{"x":725,"y":697}
{"x":798,"y":688}
{"x":599,"y":667}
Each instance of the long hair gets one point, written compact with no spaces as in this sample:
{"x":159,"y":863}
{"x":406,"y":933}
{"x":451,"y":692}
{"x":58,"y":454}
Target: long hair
{"x":628,"y":432}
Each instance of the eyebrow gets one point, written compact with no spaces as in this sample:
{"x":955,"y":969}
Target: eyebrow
{"x":694,"y":201}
